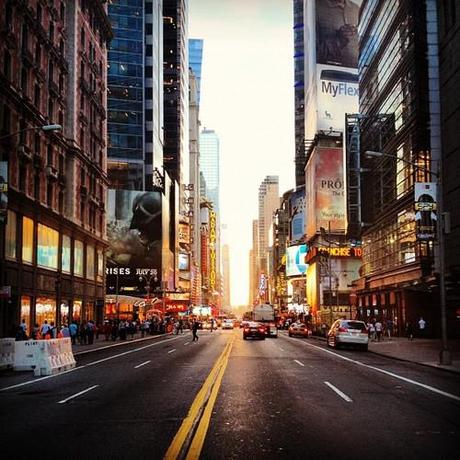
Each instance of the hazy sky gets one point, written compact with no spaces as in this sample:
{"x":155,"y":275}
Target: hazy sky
{"x":247,"y":97}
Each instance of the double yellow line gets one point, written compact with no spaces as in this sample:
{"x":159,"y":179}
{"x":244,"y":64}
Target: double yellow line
{"x":190,"y":437}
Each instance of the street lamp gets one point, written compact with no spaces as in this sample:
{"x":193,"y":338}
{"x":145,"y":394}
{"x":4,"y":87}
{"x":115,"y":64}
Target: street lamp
{"x":444,"y":356}
{"x":45,"y":128}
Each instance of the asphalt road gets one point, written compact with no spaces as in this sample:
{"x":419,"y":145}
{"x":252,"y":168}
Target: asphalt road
{"x":225,"y":398}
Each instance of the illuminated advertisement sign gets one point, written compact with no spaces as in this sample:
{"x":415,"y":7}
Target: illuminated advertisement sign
{"x":425,"y":210}
{"x":295,"y":260}
{"x":346,"y":251}
{"x":325,"y":191}
{"x":212,"y":250}
{"x":134,"y":231}
{"x":184,"y":234}
{"x":298,"y":214}
{"x":337,"y":48}
{"x":184,"y":263}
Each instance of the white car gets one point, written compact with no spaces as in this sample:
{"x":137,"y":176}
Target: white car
{"x":227,"y":324}
{"x":348,"y":332}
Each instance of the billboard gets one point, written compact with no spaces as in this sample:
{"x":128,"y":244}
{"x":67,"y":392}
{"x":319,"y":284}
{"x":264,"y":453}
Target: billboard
{"x":295,"y":260}
{"x":184,"y":261}
{"x":134,"y":232}
{"x":325,"y":191}
{"x":298,"y":214}
{"x":425,"y":210}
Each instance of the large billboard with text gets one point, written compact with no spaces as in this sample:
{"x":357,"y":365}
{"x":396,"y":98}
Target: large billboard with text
{"x":325,"y":195}
{"x":134,"y":231}
{"x":298,"y":214}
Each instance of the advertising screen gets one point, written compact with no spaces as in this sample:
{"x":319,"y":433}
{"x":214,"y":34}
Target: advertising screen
{"x":298,"y":214}
{"x":295,"y":260}
{"x":184,"y":262}
{"x":134,"y":231}
{"x":326,"y":193}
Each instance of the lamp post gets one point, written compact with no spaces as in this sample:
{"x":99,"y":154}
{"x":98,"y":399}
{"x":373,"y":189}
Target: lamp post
{"x":445,"y":357}
{"x":45,"y":128}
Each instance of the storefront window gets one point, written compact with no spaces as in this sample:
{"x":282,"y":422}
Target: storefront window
{"x":90,"y":262}
{"x":10,"y":243}
{"x":89,"y":311}
{"x":76,"y":311}
{"x":25,"y":312}
{"x":45,"y":308}
{"x":100,"y":265}
{"x":78,"y":258}
{"x":27,"y":239}
{"x":65,"y":254}
{"x":64,"y":312}
{"x":47,"y":247}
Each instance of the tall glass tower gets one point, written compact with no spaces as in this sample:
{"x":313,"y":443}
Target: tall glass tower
{"x":210,"y":165}
{"x":195,"y":56}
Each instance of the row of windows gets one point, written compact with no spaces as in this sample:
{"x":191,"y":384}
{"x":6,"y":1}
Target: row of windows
{"x":42,"y":248}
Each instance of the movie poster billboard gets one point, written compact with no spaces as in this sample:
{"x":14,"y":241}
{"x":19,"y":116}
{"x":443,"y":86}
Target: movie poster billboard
{"x":325,"y":191}
{"x":337,"y":49}
{"x":298,"y":214}
{"x":134,"y":232}
{"x":425,"y":210}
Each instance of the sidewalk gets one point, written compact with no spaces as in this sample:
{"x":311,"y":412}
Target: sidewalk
{"x":421,"y":351}
{"x":102,"y":343}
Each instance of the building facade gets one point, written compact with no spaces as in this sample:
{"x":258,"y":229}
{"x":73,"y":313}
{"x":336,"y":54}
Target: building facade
{"x":195,"y":51}
{"x":53,"y":60}
{"x":399,"y":101}
{"x":449,"y":74}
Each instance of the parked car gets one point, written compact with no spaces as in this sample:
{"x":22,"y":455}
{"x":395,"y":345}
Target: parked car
{"x":244,"y":323}
{"x":298,"y":330}
{"x":254,"y":330}
{"x":348,"y":332}
{"x":227,"y":324}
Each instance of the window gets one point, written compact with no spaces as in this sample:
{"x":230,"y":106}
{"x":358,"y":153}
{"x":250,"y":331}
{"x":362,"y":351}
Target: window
{"x":62,"y":11}
{"x":38,"y":54}
{"x":47,"y":247}
{"x":100,"y":264}
{"x":25,"y":38}
{"x":24,"y":75}
{"x":27,"y":239}
{"x":50,"y":109}
{"x":49,"y":194}
{"x":51,"y":32}
{"x":10,"y":242}
{"x":25,"y":312}
{"x":39,"y":13}
{"x":90,"y":262}
{"x":78,"y":258}
{"x":65,"y":255}
{"x":37,"y":96}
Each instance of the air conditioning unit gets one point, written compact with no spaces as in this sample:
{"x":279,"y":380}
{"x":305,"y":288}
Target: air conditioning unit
{"x":52,"y":172}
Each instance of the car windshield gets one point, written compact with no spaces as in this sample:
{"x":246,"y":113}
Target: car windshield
{"x":354,"y":325}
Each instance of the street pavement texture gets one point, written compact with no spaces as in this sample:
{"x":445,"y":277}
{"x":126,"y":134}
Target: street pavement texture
{"x":225,"y":398}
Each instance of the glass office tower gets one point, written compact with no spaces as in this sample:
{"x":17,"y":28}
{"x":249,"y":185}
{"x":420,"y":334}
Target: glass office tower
{"x":195,"y":51}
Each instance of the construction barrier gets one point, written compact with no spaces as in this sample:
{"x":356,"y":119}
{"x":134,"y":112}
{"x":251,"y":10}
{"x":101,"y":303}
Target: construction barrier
{"x":6,"y":353}
{"x":44,"y":357}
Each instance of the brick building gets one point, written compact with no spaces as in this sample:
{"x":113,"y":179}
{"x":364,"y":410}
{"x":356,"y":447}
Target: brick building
{"x":53,"y":61}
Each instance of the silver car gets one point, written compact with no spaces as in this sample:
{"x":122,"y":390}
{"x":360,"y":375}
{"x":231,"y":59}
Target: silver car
{"x":348,"y":332}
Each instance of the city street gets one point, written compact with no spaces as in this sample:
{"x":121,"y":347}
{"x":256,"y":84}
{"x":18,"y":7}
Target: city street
{"x":285,"y":397}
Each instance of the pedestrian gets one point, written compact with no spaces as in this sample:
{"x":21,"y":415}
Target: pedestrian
{"x":409,"y":331}
{"x":44,"y":329}
{"x":73,"y":329}
{"x":36,"y":332}
{"x":371,"y":329}
{"x":378,"y":330}
{"x":90,"y":330}
{"x":389,"y":326}
{"x":195,"y":330}
{"x":180,"y":326}
{"x":23,"y":326}
{"x":65,"y":331}
{"x":212,"y":324}
{"x":421,"y":327}
{"x":52,"y":331}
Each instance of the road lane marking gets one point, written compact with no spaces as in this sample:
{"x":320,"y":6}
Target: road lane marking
{"x":340,"y":393}
{"x":200,"y":410}
{"x":142,"y":364}
{"x":282,"y":349}
{"x":299,"y":363}
{"x":77,"y":394}
{"x":172,"y":351}
{"x":30,"y":382}
{"x":391,"y":374}
{"x":186,"y":343}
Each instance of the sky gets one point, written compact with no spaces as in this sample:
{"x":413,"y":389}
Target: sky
{"x":247,"y":97}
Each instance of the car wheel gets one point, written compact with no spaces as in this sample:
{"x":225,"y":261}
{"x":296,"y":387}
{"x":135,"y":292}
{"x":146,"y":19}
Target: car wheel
{"x":290,"y":335}
{"x":330,"y":342}
{"x":365,"y":347}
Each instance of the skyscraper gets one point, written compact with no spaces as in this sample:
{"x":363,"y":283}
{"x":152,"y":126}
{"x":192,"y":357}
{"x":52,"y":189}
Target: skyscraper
{"x":195,"y":49}
{"x":135,"y":88}
{"x":210,"y":165}
{"x":269,"y":202}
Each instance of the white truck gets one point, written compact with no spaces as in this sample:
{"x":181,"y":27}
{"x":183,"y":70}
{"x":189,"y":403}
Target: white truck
{"x":265,"y":314}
